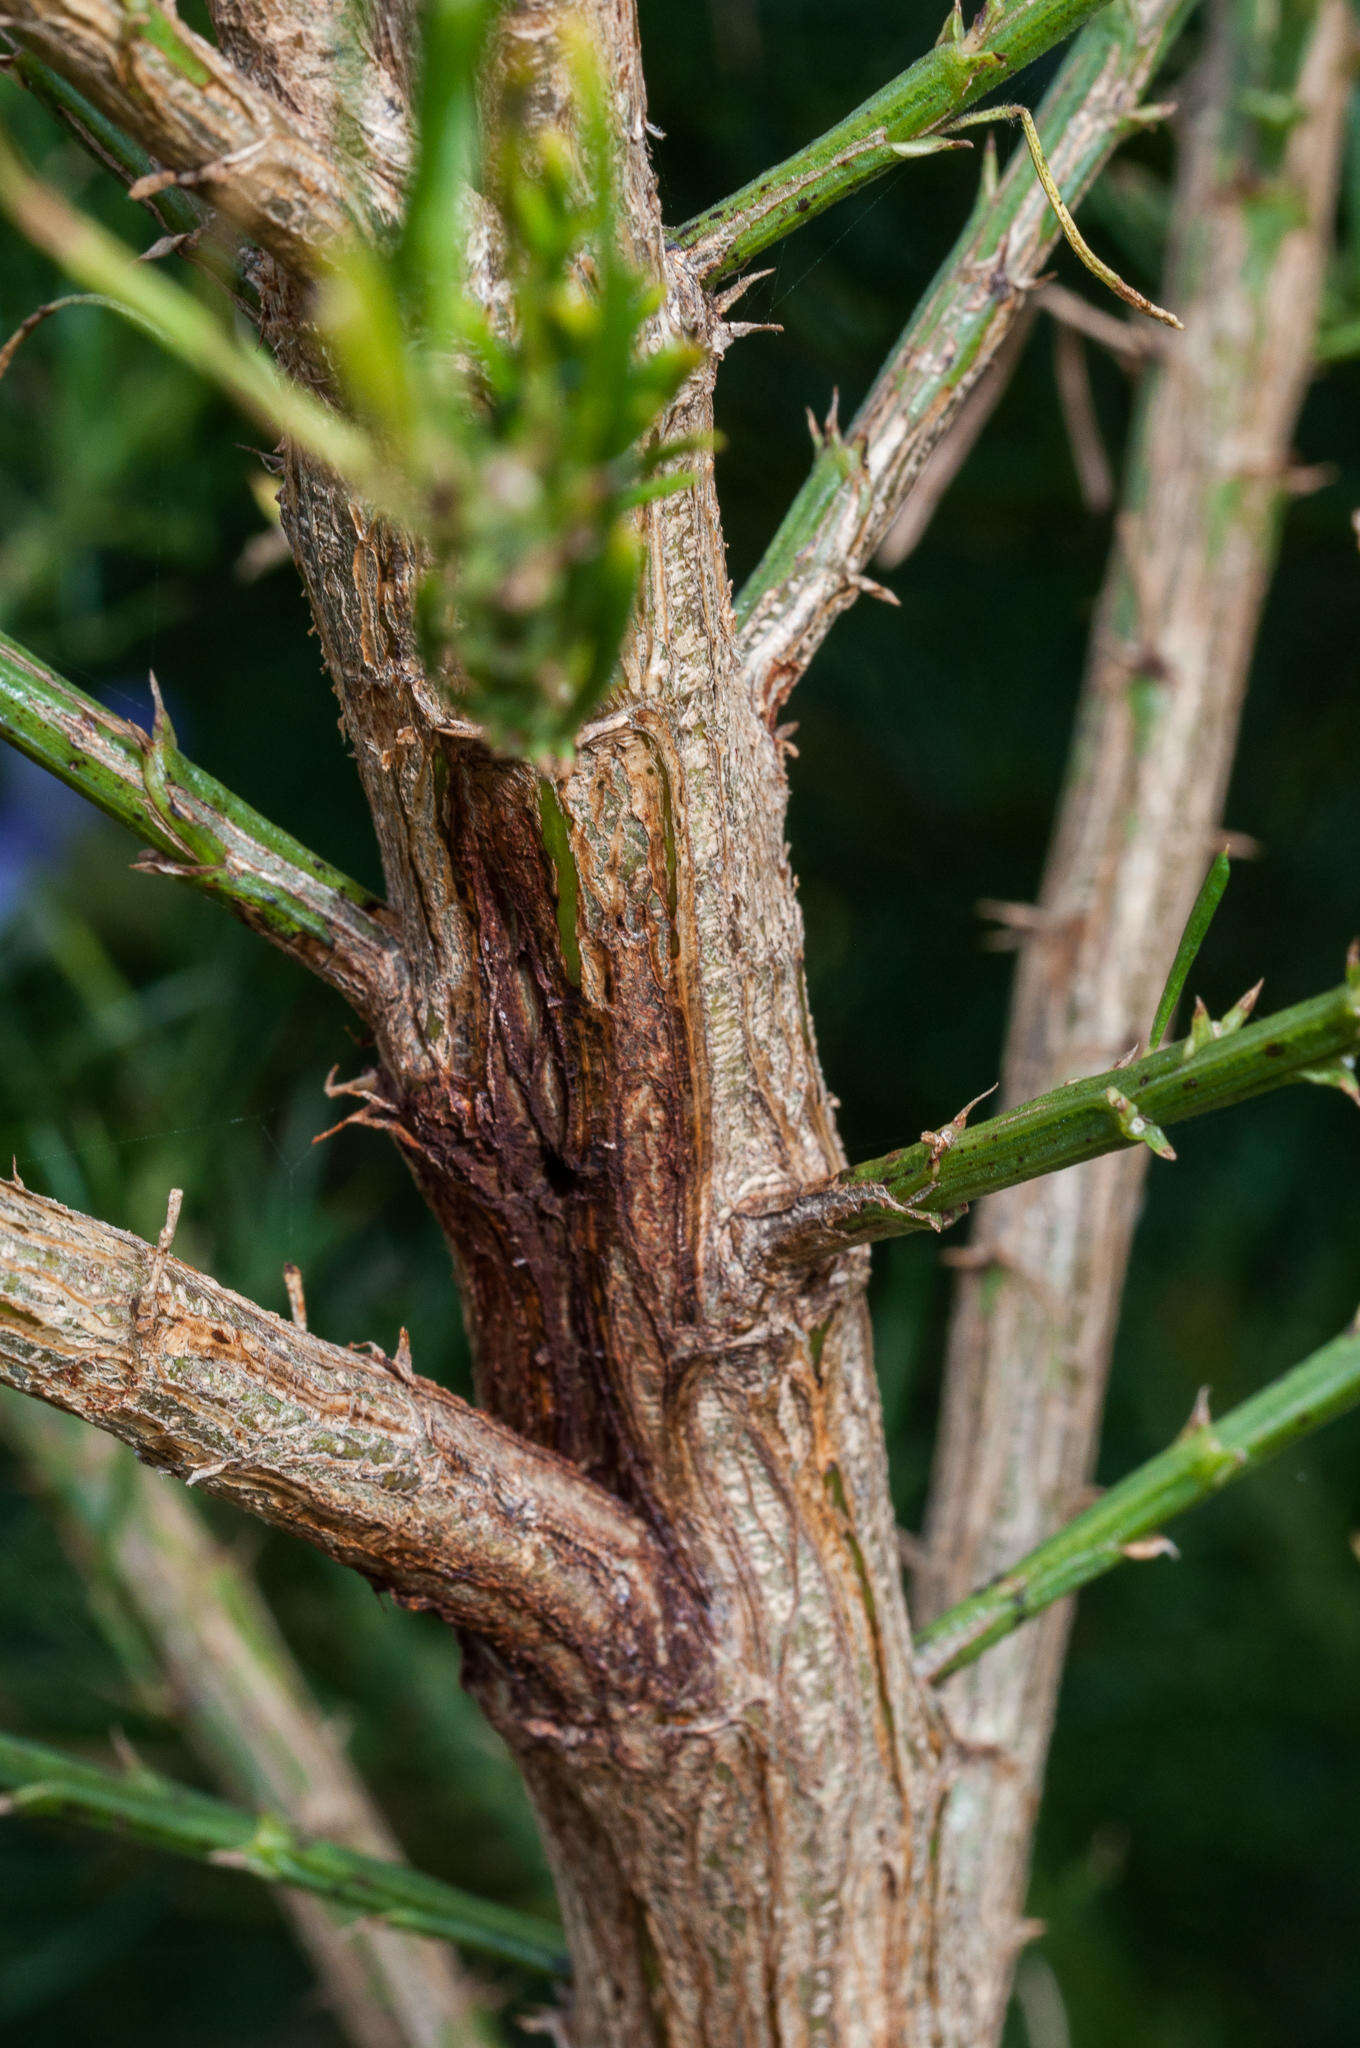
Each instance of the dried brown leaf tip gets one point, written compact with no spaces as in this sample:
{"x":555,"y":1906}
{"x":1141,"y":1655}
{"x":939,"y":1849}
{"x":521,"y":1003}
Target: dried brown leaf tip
{"x":297,"y":1300}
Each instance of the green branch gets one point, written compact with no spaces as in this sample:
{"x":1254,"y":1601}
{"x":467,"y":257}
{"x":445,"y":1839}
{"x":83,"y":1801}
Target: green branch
{"x":873,"y":139}
{"x":1192,"y":938}
{"x":1206,"y":1457}
{"x":165,"y":1815}
{"x":200,"y":1646}
{"x":178,"y":211}
{"x":926,"y":1185}
{"x":1339,"y":342}
{"x":198,"y":831}
{"x":860,"y":478}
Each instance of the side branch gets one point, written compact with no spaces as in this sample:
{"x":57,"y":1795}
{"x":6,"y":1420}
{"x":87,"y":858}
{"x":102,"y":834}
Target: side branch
{"x":1206,"y":1457}
{"x":380,"y":1469}
{"x":929,"y":1184}
{"x":164,"y":1815}
{"x":877,"y":135}
{"x":179,"y":212}
{"x":813,"y":569}
{"x":200,"y":1645}
{"x":195,"y":114}
{"x":199,"y":832}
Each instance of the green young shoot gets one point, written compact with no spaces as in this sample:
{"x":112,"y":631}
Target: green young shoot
{"x":165,"y":1815}
{"x":426,"y":267}
{"x":533,"y":451}
{"x":524,"y":450}
{"x":1192,"y":938}
{"x":1124,"y":1522}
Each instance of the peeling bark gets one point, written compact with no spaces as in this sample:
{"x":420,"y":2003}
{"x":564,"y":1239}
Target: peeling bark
{"x":432,"y":1501}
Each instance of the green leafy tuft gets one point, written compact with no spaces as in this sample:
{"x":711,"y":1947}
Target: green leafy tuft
{"x":524,"y":449}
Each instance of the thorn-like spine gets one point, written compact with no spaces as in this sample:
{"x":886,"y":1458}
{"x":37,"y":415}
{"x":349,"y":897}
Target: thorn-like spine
{"x":1204,"y":1029}
{"x":1200,"y":1416}
{"x":1138,"y":1128}
{"x":724,"y":301}
{"x":937,"y":1143}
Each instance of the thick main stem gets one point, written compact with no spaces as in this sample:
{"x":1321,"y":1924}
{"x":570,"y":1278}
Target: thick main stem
{"x":605,"y":1057}
{"x":1033,"y":1323}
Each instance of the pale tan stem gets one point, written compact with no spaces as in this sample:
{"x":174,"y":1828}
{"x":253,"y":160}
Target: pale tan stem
{"x":1035,"y":1314}
{"x":178,"y":96}
{"x":607,"y":1058}
{"x":226,"y":1677}
{"x":376,"y":1467}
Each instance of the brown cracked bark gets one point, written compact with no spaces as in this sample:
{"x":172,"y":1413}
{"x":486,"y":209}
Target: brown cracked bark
{"x":429,"y":1499}
{"x":1035,"y":1313}
{"x":738,"y":1801}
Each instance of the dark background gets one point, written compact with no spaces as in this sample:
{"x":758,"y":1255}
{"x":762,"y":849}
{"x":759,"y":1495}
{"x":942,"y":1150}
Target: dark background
{"x":1199,"y":1858}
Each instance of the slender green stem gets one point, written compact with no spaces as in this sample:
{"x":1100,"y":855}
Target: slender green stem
{"x":952,"y":76}
{"x":1192,"y":938}
{"x":199,"y":832}
{"x":200,"y":1645}
{"x":179,"y":211}
{"x":1205,"y":1458}
{"x":165,"y":1815}
{"x":857,"y":481}
{"x":931,"y":1182}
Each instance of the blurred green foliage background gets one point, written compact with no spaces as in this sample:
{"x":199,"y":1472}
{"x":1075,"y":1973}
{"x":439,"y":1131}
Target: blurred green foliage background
{"x":1199,"y":1859}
